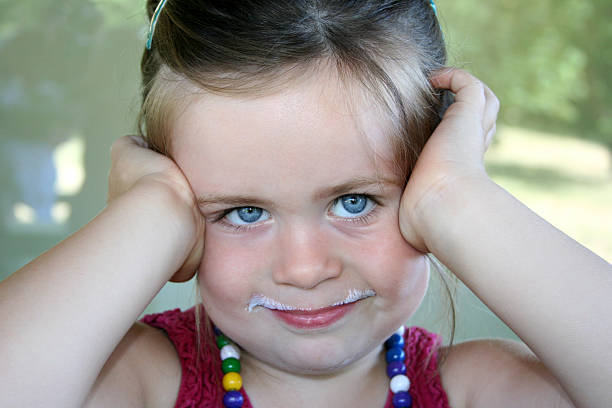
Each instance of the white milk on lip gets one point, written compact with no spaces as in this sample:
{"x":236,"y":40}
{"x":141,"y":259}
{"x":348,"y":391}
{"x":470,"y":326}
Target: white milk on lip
{"x":262,"y":300}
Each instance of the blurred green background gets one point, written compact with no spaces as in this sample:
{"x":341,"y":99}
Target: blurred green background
{"x":69,"y":83}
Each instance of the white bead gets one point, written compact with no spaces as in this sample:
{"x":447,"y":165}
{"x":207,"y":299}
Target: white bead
{"x":229,"y":350}
{"x":399,"y":383}
{"x":401,"y":331}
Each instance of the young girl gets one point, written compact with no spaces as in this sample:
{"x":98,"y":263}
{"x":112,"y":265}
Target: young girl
{"x":289,"y":182}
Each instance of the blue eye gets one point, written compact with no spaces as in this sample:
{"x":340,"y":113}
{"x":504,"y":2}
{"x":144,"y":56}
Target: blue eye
{"x":352,"y":205}
{"x":247,"y":215}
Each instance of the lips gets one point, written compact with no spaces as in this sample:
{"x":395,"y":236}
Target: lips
{"x":313,"y":319}
{"x":306,"y":317}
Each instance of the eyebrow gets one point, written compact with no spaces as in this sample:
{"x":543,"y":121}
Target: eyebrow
{"x":353,"y":185}
{"x":232,"y":200}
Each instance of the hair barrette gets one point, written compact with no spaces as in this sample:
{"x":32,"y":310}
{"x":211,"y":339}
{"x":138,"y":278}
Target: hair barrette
{"x":156,"y":14}
{"x":433,"y":6}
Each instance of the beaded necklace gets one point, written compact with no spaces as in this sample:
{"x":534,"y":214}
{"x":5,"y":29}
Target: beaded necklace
{"x":396,"y":370}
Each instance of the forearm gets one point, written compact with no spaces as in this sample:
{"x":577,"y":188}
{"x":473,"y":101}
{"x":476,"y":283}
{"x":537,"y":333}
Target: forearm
{"x":63,"y":314}
{"x":554,"y":293}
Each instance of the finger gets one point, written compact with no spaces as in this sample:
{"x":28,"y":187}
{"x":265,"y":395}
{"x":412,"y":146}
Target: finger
{"x":129,"y":142}
{"x":139,"y":141}
{"x":491,"y":110}
{"x":468,"y":89}
{"x":126,"y":140}
{"x":489,"y":137}
{"x":120,"y":145}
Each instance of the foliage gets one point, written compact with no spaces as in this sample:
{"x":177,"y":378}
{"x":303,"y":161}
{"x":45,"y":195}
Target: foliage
{"x":548,"y":61}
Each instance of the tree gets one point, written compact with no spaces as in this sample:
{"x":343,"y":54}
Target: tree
{"x":548,"y":61}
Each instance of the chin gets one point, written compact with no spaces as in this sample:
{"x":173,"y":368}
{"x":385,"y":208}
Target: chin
{"x":322,"y":356}
{"x":323,"y":364}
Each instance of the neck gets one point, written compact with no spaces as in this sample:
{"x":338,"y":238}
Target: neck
{"x":361,"y":384}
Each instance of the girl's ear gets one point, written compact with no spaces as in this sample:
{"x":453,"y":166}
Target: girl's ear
{"x":183,"y":275}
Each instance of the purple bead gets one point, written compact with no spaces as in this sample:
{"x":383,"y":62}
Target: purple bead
{"x":395,"y":354}
{"x":233,"y":399}
{"x":394,"y":341}
{"x":402,"y":400}
{"x":396,"y":368}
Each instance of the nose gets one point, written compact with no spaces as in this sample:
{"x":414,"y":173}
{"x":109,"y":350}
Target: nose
{"x":305,"y":258}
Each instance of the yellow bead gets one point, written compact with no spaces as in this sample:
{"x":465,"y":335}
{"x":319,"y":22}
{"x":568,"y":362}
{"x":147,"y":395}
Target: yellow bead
{"x":232,"y":382}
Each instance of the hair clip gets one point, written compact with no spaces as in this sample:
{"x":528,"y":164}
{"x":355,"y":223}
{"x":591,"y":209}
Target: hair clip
{"x":433,"y":6}
{"x":156,"y":14}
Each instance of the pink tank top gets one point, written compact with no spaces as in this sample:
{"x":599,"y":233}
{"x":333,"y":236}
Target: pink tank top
{"x":201,"y":383}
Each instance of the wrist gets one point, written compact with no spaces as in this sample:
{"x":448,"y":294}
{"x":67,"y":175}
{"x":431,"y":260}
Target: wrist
{"x":166,"y":213}
{"x":442,"y":212}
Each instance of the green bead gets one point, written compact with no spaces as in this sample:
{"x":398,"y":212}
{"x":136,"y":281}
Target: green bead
{"x":230,"y":365}
{"x":222,"y":341}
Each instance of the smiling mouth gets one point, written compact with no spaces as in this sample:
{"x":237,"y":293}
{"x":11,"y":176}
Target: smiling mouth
{"x":314,"y":319}
{"x":259,"y":300}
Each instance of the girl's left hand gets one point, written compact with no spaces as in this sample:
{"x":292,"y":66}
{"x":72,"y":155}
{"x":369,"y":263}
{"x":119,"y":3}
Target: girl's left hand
{"x":452,"y":155}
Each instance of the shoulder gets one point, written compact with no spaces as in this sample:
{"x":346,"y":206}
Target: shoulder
{"x":158,"y":364}
{"x":142,"y":371}
{"x":500,"y":373}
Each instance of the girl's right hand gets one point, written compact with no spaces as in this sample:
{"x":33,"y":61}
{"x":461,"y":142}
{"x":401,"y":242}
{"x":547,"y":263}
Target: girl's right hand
{"x":133,"y":163}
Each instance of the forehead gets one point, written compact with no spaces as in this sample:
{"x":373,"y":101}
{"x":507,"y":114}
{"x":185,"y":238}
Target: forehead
{"x":312,"y":132}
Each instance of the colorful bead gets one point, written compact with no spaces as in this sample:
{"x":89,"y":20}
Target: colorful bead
{"x":402,"y":400}
{"x":396,"y":368}
{"x":394,"y":341}
{"x":399,"y":383}
{"x":395,"y":354}
{"x":233,"y":399}
{"x":229,"y":351}
{"x":232,"y":382}
{"x":230,"y":365}
{"x":222,"y":341}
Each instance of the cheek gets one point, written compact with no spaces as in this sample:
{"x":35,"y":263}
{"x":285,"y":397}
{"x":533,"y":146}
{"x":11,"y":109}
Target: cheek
{"x":396,"y":270}
{"x":228,"y":271}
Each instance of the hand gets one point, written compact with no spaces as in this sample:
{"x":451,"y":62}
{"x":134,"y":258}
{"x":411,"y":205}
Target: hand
{"x":453,"y":154}
{"x":132,"y":163}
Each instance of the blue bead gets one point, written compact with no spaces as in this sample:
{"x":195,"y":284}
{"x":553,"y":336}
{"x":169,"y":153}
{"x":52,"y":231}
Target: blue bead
{"x":396,"y":368}
{"x":233,"y":399}
{"x":394,"y":341}
{"x":402,"y":400}
{"x":216,"y":330}
{"x":395,"y":354}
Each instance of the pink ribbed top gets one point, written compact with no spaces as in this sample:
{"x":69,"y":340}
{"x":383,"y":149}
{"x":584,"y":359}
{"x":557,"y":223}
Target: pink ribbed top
{"x":201,"y":383}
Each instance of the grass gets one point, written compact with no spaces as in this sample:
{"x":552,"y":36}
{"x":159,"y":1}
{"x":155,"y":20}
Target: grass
{"x":567,"y":181}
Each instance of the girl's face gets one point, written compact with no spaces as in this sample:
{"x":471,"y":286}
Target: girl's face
{"x":301,"y":208}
